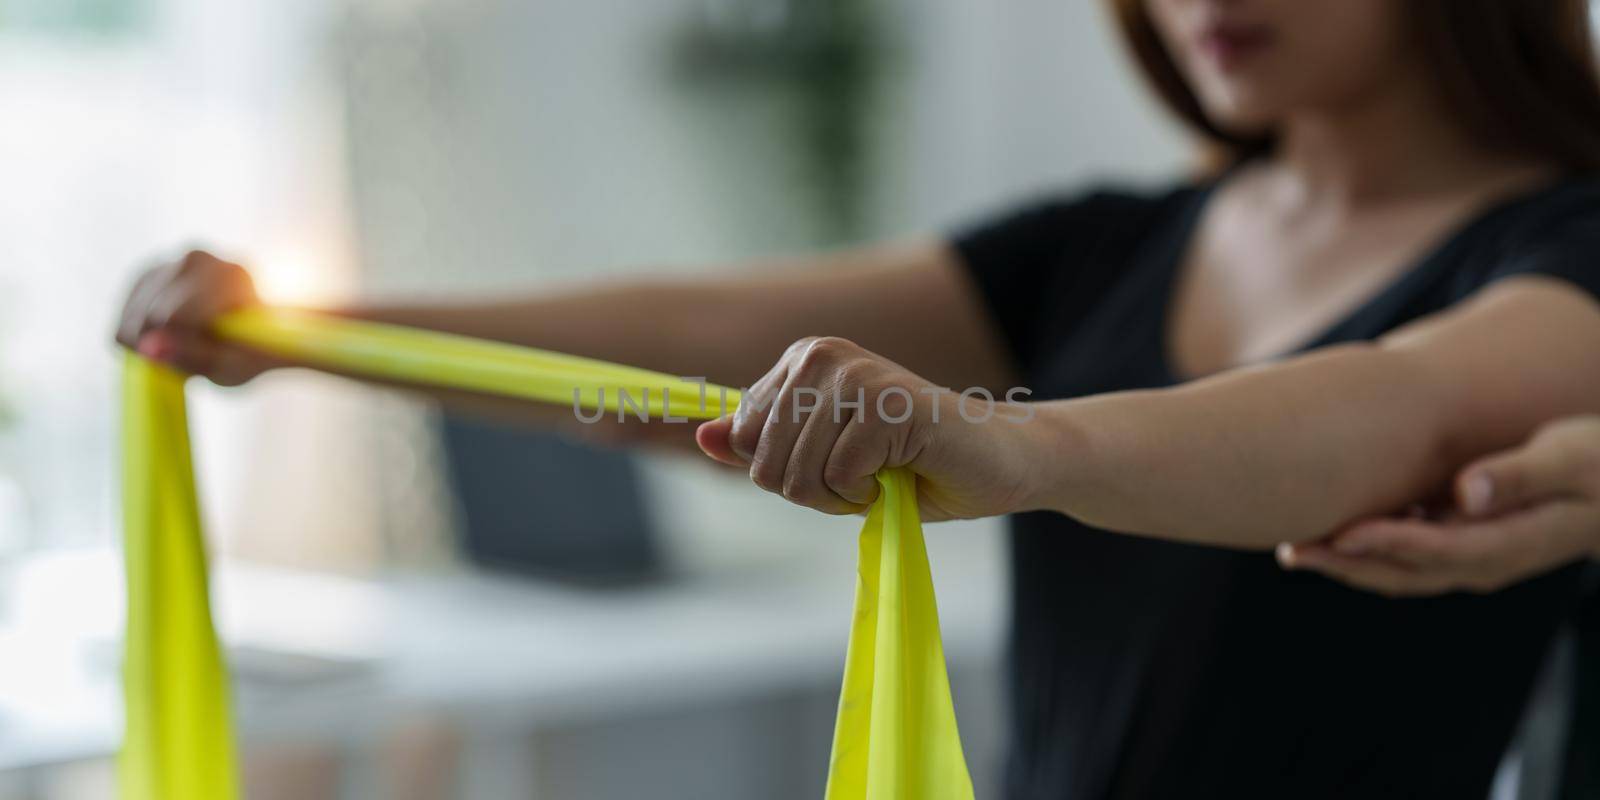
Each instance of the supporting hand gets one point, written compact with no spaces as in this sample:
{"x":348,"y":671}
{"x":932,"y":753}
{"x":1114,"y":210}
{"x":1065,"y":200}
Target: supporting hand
{"x":1517,"y":514}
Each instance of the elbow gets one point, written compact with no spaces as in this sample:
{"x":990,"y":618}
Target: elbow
{"x":1390,"y":434}
{"x":1427,"y":430}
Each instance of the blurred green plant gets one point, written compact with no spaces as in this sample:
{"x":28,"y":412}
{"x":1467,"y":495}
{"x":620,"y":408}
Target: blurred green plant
{"x":8,"y":411}
{"x":829,"y":54}
{"x":94,"y":17}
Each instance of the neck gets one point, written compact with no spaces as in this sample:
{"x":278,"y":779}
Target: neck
{"x":1400,"y":142}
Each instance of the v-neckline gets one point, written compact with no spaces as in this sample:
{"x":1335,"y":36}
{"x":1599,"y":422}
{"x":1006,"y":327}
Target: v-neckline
{"x":1183,"y":243}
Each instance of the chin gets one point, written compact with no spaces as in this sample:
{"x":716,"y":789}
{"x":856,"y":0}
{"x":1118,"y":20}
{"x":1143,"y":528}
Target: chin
{"x":1242,"y":114}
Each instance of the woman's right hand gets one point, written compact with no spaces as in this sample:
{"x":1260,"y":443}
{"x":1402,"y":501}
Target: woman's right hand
{"x":168,"y":316}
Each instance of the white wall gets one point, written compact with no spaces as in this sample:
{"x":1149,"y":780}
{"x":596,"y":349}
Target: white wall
{"x":498,"y":144}
{"x":502,"y":144}
{"x":1013,"y":98}
{"x":548,"y":137}
{"x":388,"y":146}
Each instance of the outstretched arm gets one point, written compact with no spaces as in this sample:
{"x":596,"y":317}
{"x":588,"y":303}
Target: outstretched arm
{"x":1291,"y":451}
{"x":910,"y":299}
{"x":1248,"y":458}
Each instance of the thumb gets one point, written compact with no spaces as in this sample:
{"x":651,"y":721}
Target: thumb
{"x":712,"y":436}
{"x":1515,"y":478}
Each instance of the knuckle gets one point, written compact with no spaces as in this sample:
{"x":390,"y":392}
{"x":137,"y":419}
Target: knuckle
{"x":858,"y":373}
{"x":799,"y":346}
{"x":767,"y":474}
{"x":162,"y":276}
{"x":825,"y":351}
{"x":841,"y":472}
{"x":135,"y":299}
{"x":195,"y":260}
{"x":148,"y":276}
{"x":895,"y":402}
{"x":832,"y":344}
{"x":852,"y":456}
{"x":744,"y":431}
{"x":745,"y":434}
{"x":234,"y":274}
{"x":209,"y":275}
{"x":801,"y":490}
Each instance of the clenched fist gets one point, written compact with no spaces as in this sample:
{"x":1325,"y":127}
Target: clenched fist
{"x":830,"y":414}
{"x":169,"y":313}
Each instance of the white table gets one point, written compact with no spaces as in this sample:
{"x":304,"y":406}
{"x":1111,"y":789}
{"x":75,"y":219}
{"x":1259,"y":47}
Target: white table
{"x":338,"y":661}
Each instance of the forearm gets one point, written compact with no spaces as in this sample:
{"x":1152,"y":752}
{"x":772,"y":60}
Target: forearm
{"x":1289,"y":451}
{"x":669,"y":326}
{"x":1253,"y":457}
{"x":908,"y":301}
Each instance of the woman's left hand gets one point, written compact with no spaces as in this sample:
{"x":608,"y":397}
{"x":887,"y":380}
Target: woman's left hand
{"x":830,"y":414}
{"x":1517,"y":514}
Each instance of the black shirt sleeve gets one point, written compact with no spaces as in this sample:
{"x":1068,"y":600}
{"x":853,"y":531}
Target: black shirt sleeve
{"x":1566,"y":245}
{"x":1575,"y":260}
{"x":1047,"y":260}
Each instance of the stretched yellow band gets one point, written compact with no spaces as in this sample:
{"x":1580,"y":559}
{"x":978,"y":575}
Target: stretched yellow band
{"x":896,"y":734}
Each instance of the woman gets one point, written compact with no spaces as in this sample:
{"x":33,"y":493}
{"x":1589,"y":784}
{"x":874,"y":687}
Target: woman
{"x":1392,"y":279}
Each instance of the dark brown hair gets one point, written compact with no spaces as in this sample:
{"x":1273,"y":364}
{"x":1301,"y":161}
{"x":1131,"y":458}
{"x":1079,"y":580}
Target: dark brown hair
{"x":1520,"y":73}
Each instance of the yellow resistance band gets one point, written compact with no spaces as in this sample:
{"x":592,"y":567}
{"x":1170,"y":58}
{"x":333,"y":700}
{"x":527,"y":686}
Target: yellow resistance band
{"x":896,"y":734}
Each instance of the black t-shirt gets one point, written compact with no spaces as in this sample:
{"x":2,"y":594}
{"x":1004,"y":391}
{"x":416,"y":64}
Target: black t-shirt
{"x":1144,"y":668}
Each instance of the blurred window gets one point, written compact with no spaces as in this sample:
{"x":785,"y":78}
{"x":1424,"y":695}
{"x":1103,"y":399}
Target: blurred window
{"x":133,"y":126}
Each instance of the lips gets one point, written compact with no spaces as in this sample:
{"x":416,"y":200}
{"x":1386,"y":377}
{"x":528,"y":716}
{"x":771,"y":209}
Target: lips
{"x":1232,"y":44}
